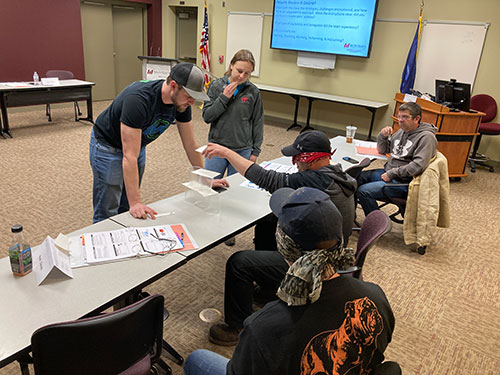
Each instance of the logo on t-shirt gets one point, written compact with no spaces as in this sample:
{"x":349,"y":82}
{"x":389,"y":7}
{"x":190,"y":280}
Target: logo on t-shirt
{"x":399,"y":150}
{"x":154,"y":130}
{"x":349,"y":346}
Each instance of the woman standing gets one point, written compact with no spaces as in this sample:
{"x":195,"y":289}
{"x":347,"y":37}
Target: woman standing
{"x":235,"y":113}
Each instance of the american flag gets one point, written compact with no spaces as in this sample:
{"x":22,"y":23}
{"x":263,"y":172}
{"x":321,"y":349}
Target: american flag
{"x":205,"y":63}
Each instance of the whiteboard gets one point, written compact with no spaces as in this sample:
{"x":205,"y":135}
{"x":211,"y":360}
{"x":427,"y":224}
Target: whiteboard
{"x":244,"y":31}
{"x":448,"y":50}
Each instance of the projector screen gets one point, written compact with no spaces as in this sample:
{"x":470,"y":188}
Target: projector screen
{"x":340,"y":27}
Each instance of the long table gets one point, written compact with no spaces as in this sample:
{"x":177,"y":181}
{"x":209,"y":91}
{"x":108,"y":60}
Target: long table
{"x":312,"y":96}
{"x":27,"y":94}
{"x":27,"y":307}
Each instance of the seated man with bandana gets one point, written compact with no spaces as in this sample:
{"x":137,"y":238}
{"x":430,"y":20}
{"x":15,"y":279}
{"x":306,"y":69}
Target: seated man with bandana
{"x":323,"y":322}
{"x":311,"y":152}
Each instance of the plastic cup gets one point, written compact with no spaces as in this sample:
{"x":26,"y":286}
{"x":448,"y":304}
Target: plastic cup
{"x":350,"y":132}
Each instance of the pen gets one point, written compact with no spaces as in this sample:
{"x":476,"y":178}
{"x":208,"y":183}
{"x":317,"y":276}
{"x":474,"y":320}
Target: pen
{"x":180,"y":239}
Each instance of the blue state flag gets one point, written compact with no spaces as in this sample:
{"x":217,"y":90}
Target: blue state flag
{"x":410,"y":69}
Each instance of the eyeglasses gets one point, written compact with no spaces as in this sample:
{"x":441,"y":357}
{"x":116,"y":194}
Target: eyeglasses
{"x":404,"y":117}
{"x":168,"y":245}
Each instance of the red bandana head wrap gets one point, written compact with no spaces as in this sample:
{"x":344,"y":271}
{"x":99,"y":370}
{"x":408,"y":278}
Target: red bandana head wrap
{"x":309,"y":157}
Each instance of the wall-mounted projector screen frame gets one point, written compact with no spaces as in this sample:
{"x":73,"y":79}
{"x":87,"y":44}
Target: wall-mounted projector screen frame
{"x":340,"y":27}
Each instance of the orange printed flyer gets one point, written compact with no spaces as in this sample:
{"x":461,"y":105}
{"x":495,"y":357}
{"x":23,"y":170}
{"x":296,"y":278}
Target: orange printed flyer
{"x":367,"y":151}
{"x":184,"y":236}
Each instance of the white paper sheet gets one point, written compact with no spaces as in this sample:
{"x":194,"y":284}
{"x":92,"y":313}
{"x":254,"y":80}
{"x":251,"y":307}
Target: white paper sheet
{"x":47,"y":259}
{"x":129,"y":242}
{"x":271,"y":166}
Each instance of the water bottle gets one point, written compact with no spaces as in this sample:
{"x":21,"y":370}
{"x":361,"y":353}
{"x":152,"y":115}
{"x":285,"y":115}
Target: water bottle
{"x":36,"y":79}
{"x":21,"y":261}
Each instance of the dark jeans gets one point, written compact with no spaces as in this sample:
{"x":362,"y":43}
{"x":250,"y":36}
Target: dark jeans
{"x":265,"y":233}
{"x":243,"y":268}
{"x":370,"y":186}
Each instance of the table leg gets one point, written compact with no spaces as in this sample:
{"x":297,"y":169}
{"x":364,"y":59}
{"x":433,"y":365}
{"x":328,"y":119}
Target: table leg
{"x":90,"y":117}
{"x":372,"y":110}
{"x":295,"y":124}
{"x":90,"y":113}
{"x":5,"y":119}
{"x":309,"y":108}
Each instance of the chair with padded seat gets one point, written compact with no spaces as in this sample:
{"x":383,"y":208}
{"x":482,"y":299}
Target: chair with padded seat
{"x":423,"y":208}
{"x":355,"y":170}
{"x":486,"y":104}
{"x":376,"y":224}
{"x":62,"y":75}
{"x":126,"y":342}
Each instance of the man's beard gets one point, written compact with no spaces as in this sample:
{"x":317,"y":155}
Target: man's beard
{"x":175,"y":101}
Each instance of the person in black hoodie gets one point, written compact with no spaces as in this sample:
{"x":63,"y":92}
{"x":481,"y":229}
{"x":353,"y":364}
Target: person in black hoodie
{"x":311,"y":152}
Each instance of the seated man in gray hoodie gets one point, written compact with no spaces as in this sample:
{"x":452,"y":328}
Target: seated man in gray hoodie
{"x":411,"y":148}
{"x":311,"y":151}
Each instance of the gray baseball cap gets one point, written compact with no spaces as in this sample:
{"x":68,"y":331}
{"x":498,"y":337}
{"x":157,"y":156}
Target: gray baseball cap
{"x":191,"y":78}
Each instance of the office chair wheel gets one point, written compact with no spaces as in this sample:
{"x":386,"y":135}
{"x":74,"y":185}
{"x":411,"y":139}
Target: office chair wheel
{"x":492,"y":169}
{"x":473,"y":170}
{"x":421,"y":250}
{"x":160,"y":368}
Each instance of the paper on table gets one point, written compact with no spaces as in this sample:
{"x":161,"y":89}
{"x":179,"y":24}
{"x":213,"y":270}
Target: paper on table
{"x":367,"y":151}
{"x":17,"y":84}
{"x":48,"y":260}
{"x":182,"y":233}
{"x":274,"y":167}
{"x":80,"y":248}
{"x":129,"y":242}
{"x":50,"y":81}
{"x":367,"y":148}
{"x":367,"y":144}
{"x":62,"y":243}
{"x":201,"y":149}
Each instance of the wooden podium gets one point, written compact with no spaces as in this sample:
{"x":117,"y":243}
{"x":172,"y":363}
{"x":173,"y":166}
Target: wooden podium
{"x":456,"y":131}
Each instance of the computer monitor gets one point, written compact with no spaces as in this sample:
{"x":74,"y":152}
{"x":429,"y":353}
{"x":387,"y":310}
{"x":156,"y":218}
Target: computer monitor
{"x":454,"y":95}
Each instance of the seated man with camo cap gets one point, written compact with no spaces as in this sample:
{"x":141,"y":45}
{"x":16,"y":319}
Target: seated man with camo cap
{"x":323,"y":322}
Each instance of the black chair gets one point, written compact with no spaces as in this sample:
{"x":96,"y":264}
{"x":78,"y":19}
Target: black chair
{"x":356,"y":170}
{"x":399,"y":202}
{"x":126,"y":342}
{"x":488,"y":105}
{"x":376,"y":224}
{"x":61,"y":74}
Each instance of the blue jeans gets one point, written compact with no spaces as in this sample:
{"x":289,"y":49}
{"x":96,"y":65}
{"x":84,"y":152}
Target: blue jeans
{"x":220,"y":165}
{"x":108,"y":194}
{"x":205,"y":362}
{"x":370,"y":189}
